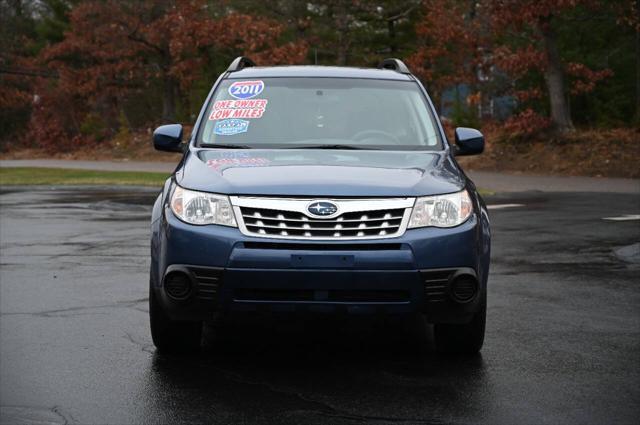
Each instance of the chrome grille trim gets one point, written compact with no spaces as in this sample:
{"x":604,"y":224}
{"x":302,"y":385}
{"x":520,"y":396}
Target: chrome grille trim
{"x":337,"y":221}
{"x":357,"y":219}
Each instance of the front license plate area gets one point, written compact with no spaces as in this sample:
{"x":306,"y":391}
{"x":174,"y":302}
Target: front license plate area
{"x":310,"y":261}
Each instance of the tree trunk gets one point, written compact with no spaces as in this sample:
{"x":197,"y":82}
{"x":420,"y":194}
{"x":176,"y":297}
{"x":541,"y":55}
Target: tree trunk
{"x":554,"y":78}
{"x":391,"y":29}
{"x":342,"y":51}
{"x":637,"y":116}
{"x":169,"y":99}
{"x":341,"y":21}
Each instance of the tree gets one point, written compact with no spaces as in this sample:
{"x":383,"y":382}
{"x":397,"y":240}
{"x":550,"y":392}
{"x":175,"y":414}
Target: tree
{"x":356,"y":32}
{"x":451,"y":46}
{"x":87,"y":68}
{"x":113,"y":48}
{"x":115,"y":51}
{"x":527,"y":39}
{"x":344,"y":32}
{"x":25,"y":27}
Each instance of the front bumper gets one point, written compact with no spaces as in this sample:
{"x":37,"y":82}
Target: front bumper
{"x":228,"y":271}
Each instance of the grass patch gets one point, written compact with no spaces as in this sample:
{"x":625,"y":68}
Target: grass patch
{"x":14,"y":176}
{"x":64,"y":176}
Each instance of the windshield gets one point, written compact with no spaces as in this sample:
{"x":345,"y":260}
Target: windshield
{"x":319,"y":113}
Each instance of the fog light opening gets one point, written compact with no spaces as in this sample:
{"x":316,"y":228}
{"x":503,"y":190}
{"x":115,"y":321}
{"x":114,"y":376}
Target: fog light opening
{"x":464,"y":288}
{"x":177,"y":285}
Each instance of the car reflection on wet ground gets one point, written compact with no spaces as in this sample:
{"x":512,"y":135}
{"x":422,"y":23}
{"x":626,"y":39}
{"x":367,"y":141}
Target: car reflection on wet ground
{"x":562,"y":345}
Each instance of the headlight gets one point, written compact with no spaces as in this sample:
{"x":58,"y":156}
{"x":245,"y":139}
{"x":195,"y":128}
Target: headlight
{"x":202,"y":208}
{"x":441,"y":210}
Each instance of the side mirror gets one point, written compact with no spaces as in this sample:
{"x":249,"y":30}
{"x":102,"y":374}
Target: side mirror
{"x":168,"y":138}
{"x":469,"y":141}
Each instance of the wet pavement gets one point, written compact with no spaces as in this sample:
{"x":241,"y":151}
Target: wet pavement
{"x":562,"y":345}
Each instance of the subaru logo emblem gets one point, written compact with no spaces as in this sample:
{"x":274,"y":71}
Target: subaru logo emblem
{"x":322,"y":208}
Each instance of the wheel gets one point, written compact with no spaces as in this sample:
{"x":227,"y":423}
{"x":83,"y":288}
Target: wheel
{"x":172,"y":336}
{"x":464,"y":338}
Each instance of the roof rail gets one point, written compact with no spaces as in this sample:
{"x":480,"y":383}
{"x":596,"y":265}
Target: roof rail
{"x":239,"y":63}
{"x":394,"y":64}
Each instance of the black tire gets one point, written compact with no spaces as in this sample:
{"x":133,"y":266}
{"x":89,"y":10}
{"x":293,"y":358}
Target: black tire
{"x":171,"y":336}
{"x":464,"y":338}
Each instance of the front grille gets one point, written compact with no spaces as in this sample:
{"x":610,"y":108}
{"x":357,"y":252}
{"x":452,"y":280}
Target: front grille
{"x":290,"y":219}
{"x":285,"y":223}
{"x":301,"y":246}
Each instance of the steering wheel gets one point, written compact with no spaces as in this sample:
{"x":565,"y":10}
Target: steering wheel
{"x":374,"y":134}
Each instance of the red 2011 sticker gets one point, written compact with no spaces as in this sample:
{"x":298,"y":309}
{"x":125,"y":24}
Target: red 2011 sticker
{"x":252,"y":108}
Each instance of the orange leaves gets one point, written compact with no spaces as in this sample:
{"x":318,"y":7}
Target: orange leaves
{"x":122,"y":45}
{"x":98,"y":54}
{"x":259,"y":38}
{"x":15,"y":90}
{"x":525,"y":124}
{"x":13,"y":98}
{"x":450,"y":44}
{"x":526,"y":95}
{"x":585,"y":79}
{"x":529,"y":51}
{"x":629,"y":15}
{"x":518,"y":62}
{"x":522,"y":13}
{"x":55,"y":119}
{"x":115,"y":50}
{"x":474,"y":98}
{"x":290,"y":53}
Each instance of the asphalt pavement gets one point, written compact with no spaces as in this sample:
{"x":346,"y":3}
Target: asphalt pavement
{"x":562,"y":344}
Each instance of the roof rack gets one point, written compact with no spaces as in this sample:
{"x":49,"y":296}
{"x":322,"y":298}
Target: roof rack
{"x":395,"y":65}
{"x":239,"y":63}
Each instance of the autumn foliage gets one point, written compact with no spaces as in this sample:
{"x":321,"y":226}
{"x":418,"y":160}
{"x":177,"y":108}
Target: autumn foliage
{"x":80,"y":73}
{"x":512,"y":48}
{"x":451,"y":50}
{"x":115,"y":51}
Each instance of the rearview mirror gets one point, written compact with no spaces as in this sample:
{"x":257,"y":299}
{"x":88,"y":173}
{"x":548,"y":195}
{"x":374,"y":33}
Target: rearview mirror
{"x":469,"y":141}
{"x":168,"y":138}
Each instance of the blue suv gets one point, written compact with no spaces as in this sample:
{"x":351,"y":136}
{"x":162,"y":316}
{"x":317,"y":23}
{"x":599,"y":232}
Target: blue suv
{"x":324,"y":190}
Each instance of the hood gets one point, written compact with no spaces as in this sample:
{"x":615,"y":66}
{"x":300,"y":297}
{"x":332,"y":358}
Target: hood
{"x":319,"y":173}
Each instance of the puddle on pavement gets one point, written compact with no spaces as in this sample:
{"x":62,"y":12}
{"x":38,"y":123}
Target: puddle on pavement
{"x":629,"y":253}
{"x":94,"y":204}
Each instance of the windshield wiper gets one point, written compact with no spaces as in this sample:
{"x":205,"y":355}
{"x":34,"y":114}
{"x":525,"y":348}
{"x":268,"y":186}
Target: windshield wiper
{"x":345,"y":147}
{"x":223,"y":146}
{"x":327,"y":146}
